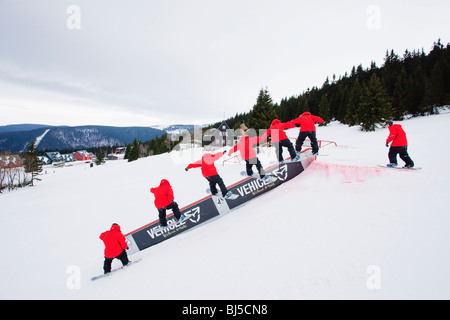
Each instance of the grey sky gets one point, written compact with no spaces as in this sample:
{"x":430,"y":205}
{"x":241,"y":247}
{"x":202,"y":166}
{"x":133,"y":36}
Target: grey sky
{"x":147,"y":62}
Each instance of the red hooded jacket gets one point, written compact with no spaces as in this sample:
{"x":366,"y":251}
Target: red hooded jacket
{"x":163,"y":194}
{"x":207,"y":164}
{"x":397,"y":135}
{"x":307,"y":121}
{"x":245,"y":147}
{"x":114,"y":241}
{"x":276,"y":131}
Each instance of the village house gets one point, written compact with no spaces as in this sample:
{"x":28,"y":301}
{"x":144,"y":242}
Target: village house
{"x":221,"y":137}
{"x":83,"y":155}
{"x":44,"y":160}
{"x":10,"y":161}
{"x":54,"y":156}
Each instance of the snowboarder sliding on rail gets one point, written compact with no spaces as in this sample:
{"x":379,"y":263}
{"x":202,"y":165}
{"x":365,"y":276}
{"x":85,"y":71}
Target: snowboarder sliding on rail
{"x":164,"y":200}
{"x":280,"y":139}
{"x":307,"y":124}
{"x":209,"y":171}
{"x":115,"y":246}
{"x":399,"y":145}
{"x":245,"y":147}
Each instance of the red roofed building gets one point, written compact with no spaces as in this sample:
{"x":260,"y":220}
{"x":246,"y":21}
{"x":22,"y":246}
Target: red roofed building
{"x":10,"y":161}
{"x":83,"y":155}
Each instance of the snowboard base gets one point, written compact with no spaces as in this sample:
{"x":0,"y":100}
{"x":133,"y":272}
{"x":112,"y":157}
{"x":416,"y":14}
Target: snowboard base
{"x":114,"y":270}
{"x":399,"y":168}
{"x":270,"y":179}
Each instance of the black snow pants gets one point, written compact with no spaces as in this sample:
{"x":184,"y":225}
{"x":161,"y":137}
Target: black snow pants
{"x":254,"y":162}
{"x":217,"y":180}
{"x":123,"y":257}
{"x":162,"y":213}
{"x":403,"y":152}
{"x":301,"y":138}
{"x":287,"y":144}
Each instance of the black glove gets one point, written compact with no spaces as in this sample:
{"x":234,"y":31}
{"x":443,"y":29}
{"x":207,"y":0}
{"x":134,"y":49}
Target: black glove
{"x":387,"y":145}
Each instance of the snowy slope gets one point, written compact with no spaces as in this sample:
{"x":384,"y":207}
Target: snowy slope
{"x":318,"y":236}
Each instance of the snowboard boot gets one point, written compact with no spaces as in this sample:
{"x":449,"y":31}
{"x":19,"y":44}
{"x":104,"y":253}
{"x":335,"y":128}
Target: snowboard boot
{"x":392,"y":165}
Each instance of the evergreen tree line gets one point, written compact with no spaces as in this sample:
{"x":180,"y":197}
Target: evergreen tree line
{"x":139,"y":149}
{"x":412,"y":85}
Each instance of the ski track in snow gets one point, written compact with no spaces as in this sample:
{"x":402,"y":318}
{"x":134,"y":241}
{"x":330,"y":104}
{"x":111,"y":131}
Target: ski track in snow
{"x":39,"y":139}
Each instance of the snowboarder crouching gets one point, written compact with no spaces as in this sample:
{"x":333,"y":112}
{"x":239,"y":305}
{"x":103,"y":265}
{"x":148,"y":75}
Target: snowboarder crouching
{"x":115,"y":246}
{"x":399,"y":145}
{"x":164,"y":200}
{"x":209,"y":171}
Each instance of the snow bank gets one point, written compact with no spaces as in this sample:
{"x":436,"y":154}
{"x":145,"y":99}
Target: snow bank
{"x":343,"y":229}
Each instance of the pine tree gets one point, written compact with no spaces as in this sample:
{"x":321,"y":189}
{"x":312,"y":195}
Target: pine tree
{"x":302,"y":106}
{"x":400,"y":96}
{"x":127,"y":151}
{"x":352,"y":115}
{"x":263,"y":112}
{"x":31,"y":163}
{"x":100,"y":157}
{"x":324,"y":109}
{"x":439,"y":85}
{"x":135,"y":151}
{"x":375,"y":104}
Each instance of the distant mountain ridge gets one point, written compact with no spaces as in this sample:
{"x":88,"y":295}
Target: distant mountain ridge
{"x":15,"y":138}
{"x":22,"y":127}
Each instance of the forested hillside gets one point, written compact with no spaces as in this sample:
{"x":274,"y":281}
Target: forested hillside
{"x":412,"y":84}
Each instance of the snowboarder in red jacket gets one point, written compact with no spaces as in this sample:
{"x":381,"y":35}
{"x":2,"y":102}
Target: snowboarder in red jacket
{"x":307,"y":124}
{"x":209,"y":171}
{"x":115,"y":246}
{"x":164,"y":200}
{"x":280,"y":139}
{"x":399,"y":145}
{"x":245,"y":147}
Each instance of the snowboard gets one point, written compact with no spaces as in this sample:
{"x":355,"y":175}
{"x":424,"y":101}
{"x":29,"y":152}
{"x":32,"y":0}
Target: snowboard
{"x":385,"y":166}
{"x":285,"y":161}
{"x":114,"y":270}
{"x":233,"y":197}
{"x":257,"y":176}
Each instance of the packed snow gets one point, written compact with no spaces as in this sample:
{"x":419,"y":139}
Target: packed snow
{"x":39,"y":139}
{"x":343,"y":229}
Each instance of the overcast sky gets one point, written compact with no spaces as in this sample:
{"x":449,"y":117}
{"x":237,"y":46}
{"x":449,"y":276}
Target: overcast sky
{"x":150,"y":62}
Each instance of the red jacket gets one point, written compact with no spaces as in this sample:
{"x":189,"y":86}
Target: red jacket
{"x":114,"y":241}
{"x":163,"y":194}
{"x":276,"y":131}
{"x":207,"y":164}
{"x":245,"y":147}
{"x":397,"y":135}
{"x":307,"y":121}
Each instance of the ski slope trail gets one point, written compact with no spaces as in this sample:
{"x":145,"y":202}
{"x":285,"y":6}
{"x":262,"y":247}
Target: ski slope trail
{"x":343,"y":229}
